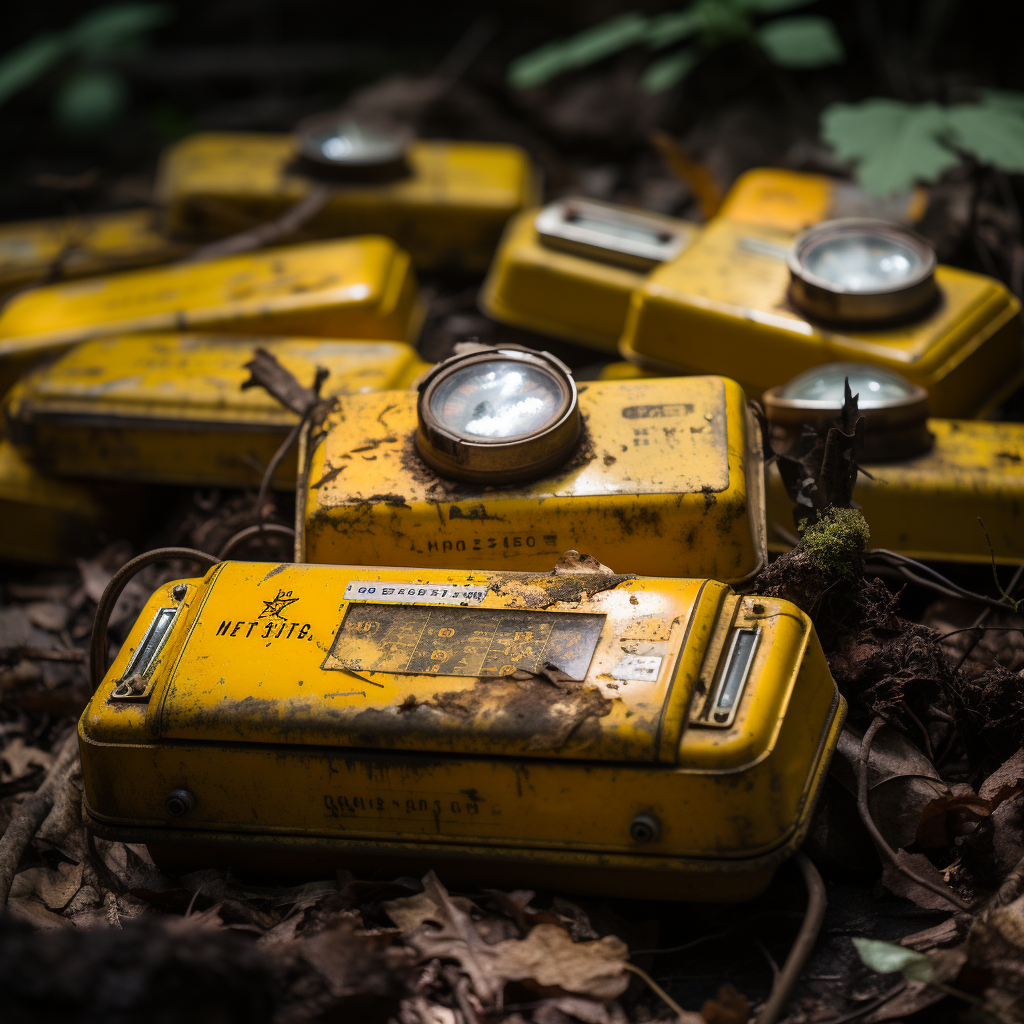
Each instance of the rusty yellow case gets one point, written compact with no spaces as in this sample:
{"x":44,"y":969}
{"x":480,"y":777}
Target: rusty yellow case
{"x":354,"y":288}
{"x":170,"y":408}
{"x":34,"y":250}
{"x":47,"y":521}
{"x":558,"y":293}
{"x":722,"y":307}
{"x":448,"y":212}
{"x":668,"y":478}
{"x":929,"y":506}
{"x":611,"y":734}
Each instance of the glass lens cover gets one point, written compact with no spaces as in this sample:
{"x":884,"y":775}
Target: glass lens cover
{"x":501,"y":398}
{"x":824,"y":384}
{"x":348,"y":142}
{"x":863,"y":262}
{"x":632,"y":232}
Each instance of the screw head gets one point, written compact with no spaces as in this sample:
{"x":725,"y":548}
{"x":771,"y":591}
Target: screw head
{"x":179,"y":592}
{"x":180,"y":802}
{"x":645,"y":828}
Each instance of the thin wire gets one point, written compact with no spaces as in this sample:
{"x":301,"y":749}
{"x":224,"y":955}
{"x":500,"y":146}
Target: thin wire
{"x":121,"y":579}
{"x":250,"y":531}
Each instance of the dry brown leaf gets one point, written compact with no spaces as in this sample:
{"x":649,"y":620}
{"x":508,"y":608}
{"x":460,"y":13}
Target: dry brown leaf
{"x":900,"y":885}
{"x":947,"y":817}
{"x":32,"y":909}
{"x":728,"y":1007}
{"x":588,"y":1011}
{"x":48,"y":615}
{"x":1009,"y":922}
{"x":18,"y":759}
{"x":901,"y":781}
{"x":56,"y":887}
{"x":938,"y":935}
{"x":437,"y":926}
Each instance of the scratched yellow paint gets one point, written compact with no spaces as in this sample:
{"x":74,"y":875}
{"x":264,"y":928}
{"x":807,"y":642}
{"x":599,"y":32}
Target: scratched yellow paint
{"x":560,"y":293}
{"x":252,"y":706}
{"x":52,"y":522}
{"x":668,"y":479}
{"x":59,"y":247}
{"x":929,"y":506}
{"x":721,"y":306}
{"x":448,"y":212}
{"x":170,"y":408}
{"x":355,"y":288}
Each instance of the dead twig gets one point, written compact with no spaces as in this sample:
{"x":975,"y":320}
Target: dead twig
{"x":869,"y":823}
{"x":290,"y":221}
{"x":802,"y":945}
{"x":660,"y":992}
{"x":266,"y":372}
{"x":51,"y":654}
{"x":32,"y":813}
{"x":1012,"y":887}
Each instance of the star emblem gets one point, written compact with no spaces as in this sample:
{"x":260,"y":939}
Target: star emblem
{"x":274,"y":608}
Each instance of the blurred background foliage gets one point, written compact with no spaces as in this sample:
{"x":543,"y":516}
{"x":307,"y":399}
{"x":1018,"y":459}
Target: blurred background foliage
{"x":895,"y":91}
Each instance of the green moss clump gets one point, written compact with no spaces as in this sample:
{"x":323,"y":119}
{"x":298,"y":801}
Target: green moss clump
{"x":836,"y":542}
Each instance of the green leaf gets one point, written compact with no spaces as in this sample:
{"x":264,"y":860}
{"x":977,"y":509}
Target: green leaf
{"x":670,"y":28}
{"x":588,"y":47}
{"x":887,"y":958}
{"x":803,"y":42}
{"x":665,"y":72}
{"x":774,"y":6}
{"x":1003,"y":99}
{"x":894,"y":143}
{"x":21,"y":67}
{"x":107,"y":30}
{"x":90,"y":101}
{"x":992,"y":135}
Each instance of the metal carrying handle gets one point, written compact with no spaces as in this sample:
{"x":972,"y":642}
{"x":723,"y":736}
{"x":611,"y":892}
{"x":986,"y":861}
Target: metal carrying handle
{"x":98,"y":644}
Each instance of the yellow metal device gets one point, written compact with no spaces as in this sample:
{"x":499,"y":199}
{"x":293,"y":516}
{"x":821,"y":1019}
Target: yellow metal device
{"x":59,"y":247}
{"x":928,"y":506}
{"x":52,"y":522}
{"x":655,"y":737}
{"x":928,"y":481}
{"x":170,"y":408}
{"x":726,"y":304}
{"x":664,"y":476}
{"x":568,"y":270}
{"x":356,"y":288}
{"x":448,"y":210}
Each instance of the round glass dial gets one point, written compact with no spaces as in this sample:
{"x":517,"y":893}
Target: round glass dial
{"x":862,"y":262}
{"x":824,"y":384}
{"x":346,"y":142}
{"x":501,"y":398}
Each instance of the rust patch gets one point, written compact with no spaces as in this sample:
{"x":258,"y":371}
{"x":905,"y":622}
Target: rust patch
{"x":369,"y":446}
{"x":330,"y":475}
{"x":537,"y":590}
{"x":530,"y":707}
{"x":396,"y":500}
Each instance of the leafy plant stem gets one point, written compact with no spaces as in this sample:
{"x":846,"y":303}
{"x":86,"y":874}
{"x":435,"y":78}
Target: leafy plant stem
{"x":869,"y":823}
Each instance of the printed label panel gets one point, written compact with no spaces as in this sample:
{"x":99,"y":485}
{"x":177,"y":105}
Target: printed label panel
{"x":638,"y":666}
{"x":463,"y":641}
{"x":419,"y":593}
